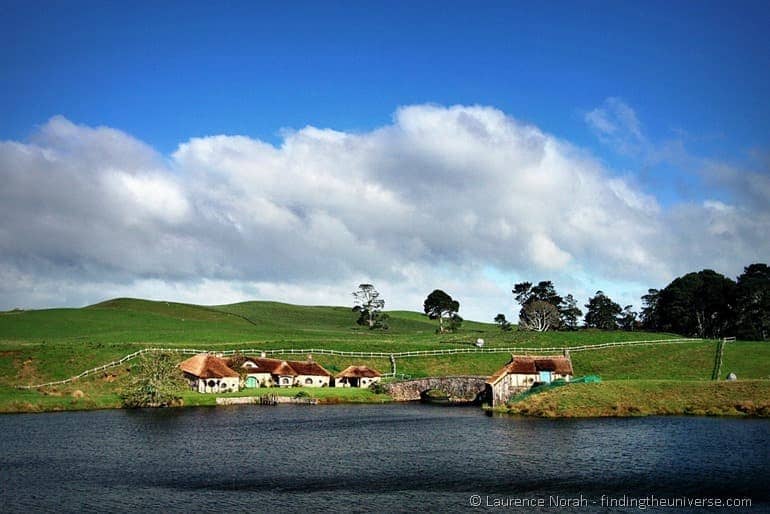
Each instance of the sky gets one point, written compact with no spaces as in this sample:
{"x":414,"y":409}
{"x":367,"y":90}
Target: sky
{"x":230,"y":151}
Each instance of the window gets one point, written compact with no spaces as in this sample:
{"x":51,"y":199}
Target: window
{"x":308,"y":381}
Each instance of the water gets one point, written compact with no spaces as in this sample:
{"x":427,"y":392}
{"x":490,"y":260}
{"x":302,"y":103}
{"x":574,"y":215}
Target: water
{"x":384,"y":458}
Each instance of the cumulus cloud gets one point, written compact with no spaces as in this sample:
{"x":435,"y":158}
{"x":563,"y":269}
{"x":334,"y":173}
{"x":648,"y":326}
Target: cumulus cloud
{"x":433,"y":200}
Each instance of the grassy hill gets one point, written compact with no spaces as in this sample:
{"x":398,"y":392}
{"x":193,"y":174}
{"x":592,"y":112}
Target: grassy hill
{"x":52,"y":344}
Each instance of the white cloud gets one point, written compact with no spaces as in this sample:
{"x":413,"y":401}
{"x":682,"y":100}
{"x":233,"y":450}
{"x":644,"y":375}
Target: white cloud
{"x":615,"y":123}
{"x":429,"y":201}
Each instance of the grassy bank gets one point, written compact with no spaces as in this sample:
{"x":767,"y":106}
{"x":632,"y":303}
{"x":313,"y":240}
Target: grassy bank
{"x":649,"y":397}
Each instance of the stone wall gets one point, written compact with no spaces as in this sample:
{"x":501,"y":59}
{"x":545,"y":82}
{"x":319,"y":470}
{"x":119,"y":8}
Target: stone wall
{"x":459,"y":389}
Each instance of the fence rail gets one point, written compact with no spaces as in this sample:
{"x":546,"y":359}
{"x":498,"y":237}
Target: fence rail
{"x":388,"y":355}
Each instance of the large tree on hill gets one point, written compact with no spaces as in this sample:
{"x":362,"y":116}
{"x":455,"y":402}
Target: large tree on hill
{"x":439,"y":305}
{"x":698,"y":304}
{"x":539,"y":316}
{"x":369,"y":305}
{"x":752,"y":303}
{"x":544,"y":292}
{"x":602,"y":312}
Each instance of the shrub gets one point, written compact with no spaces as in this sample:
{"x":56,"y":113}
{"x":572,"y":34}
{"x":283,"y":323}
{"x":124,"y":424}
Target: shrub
{"x":156,"y":382}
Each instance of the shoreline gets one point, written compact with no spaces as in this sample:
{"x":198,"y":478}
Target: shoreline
{"x":638,"y":398}
{"x":616,"y":399}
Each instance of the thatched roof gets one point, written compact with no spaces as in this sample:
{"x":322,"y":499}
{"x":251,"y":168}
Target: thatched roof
{"x":309,"y":367}
{"x":205,"y":365}
{"x":286,"y":368}
{"x":528,"y":365}
{"x":358,"y":372}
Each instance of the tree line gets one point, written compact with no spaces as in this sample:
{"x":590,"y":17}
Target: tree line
{"x":700,"y":304}
{"x":708,"y":304}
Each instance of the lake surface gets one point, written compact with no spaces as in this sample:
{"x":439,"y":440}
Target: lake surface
{"x":380,"y":458}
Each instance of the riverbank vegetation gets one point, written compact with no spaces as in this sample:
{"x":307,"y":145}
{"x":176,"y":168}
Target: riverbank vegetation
{"x":649,"y":397}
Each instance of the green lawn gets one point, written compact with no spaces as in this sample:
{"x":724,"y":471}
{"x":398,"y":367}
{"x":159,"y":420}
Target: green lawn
{"x":649,"y":397}
{"x":747,"y":359}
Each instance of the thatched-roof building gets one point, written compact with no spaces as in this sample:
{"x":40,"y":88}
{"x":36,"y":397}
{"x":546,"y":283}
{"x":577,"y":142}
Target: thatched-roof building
{"x":522,"y":372}
{"x":265,"y":372}
{"x":208,"y":373}
{"x":357,"y":376}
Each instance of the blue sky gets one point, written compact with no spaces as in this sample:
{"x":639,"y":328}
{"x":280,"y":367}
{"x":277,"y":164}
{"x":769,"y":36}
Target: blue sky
{"x":694,"y":78}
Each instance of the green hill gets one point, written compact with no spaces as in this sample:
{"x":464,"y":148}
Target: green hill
{"x":52,"y":344}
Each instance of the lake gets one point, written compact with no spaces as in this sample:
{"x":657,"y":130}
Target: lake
{"x":381,"y":458}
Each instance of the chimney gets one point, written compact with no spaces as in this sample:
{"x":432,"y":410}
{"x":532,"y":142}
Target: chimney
{"x":263,"y":355}
{"x":566,"y":353}
{"x":310,"y":357}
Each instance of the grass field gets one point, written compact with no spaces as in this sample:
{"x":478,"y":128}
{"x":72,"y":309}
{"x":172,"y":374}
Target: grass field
{"x":649,"y":397}
{"x":46,"y":345}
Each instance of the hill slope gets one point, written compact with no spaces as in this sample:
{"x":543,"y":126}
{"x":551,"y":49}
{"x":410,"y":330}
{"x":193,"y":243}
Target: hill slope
{"x":53,"y":344}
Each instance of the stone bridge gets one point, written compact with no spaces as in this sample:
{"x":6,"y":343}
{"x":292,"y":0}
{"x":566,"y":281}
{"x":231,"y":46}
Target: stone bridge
{"x":463,"y":389}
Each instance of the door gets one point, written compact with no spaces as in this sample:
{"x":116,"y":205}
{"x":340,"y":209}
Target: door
{"x":545,"y":377}
{"x":251,"y":382}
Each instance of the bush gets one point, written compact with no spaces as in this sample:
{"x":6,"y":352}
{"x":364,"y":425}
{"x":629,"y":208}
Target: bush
{"x":156,"y":382}
{"x":378,"y":388}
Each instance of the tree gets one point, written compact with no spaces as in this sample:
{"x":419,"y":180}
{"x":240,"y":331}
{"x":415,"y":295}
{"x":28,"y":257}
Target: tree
{"x":526,"y":294}
{"x":628,"y":318}
{"x":752,"y":303}
{"x":503,"y":323}
{"x":439,"y":305}
{"x":650,"y":319}
{"x":602,"y":312}
{"x":570,"y":313}
{"x":539,"y":316}
{"x":698,"y":304}
{"x":522,"y":292}
{"x":369,"y":305}
{"x":156,"y":381}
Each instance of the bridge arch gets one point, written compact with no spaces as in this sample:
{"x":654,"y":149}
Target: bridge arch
{"x":460,"y":389}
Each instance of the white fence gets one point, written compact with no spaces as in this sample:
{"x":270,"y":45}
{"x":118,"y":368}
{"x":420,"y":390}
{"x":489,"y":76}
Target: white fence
{"x":387,"y":355}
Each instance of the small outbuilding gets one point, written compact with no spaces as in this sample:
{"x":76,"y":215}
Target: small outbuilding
{"x":523,"y":372}
{"x":208,"y":373}
{"x":357,"y":376}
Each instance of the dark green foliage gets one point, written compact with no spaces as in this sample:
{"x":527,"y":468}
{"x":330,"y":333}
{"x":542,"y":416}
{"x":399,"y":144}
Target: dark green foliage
{"x":698,"y":304}
{"x":602,"y":312}
{"x":503,"y":323}
{"x":650,"y":319}
{"x":439,"y":305}
{"x":753,"y":303}
{"x":570,"y":313}
{"x":628,"y":318}
{"x":156,"y":381}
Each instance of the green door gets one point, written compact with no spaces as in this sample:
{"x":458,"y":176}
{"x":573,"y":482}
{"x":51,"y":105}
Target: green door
{"x":251,"y":382}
